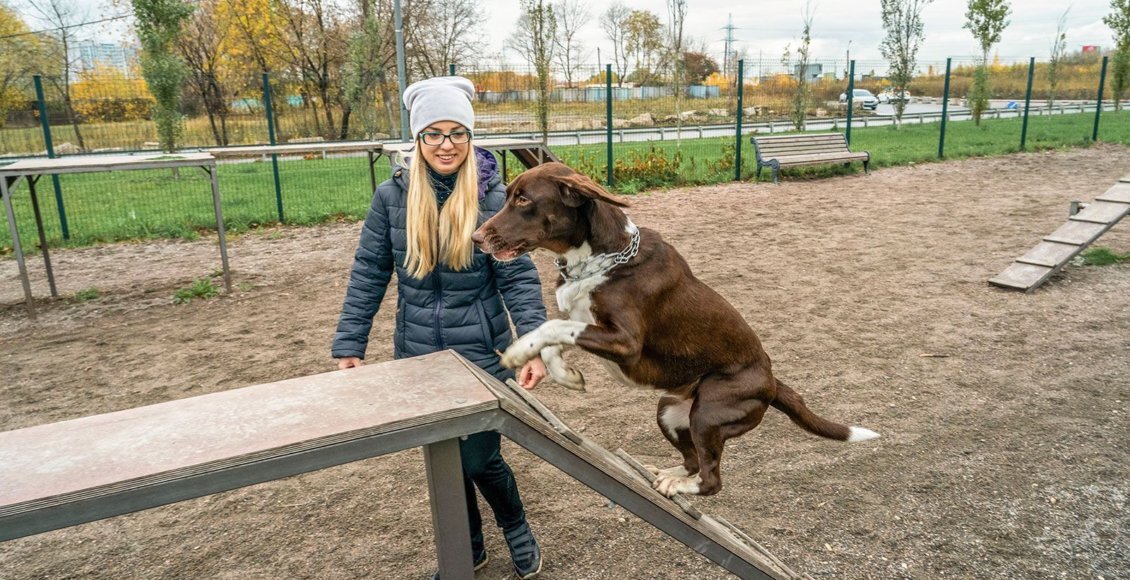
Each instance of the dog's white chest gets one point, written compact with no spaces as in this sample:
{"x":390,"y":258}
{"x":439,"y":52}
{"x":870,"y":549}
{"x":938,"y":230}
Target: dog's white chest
{"x":574,"y":298}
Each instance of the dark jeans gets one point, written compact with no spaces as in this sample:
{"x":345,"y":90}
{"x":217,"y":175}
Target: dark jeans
{"x":483,"y":464}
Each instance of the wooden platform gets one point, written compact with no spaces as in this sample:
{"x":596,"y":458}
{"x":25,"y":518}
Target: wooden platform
{"x":77,"y":471}
{"x":1035,"y":267}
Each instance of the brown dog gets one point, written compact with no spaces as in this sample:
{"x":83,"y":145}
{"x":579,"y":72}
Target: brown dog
{"x":632,"y":300}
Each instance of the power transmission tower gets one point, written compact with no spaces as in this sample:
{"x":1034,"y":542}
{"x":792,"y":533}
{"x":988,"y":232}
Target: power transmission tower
{"x":728,"y":57}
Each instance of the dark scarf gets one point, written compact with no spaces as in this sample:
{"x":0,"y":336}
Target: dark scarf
{"x":442,"y":184}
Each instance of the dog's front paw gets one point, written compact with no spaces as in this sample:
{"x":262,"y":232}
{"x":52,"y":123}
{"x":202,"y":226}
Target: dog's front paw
{"x":519,"y":353}
{"x":571,"y":379}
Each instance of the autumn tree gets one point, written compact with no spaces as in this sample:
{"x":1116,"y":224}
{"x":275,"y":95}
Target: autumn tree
{"x":699,"y":66}
{"x":902,"y":21}
{"x":533,"y":39}
{"x":202,"y":46}
{"x":572,"y":16}
{"x":1119,"y":22}
{"x":644,"y":44}
{"x":370,"y":54}
{"x":107,"y":94}
{"x":21,"y":57}
{"x":315,"y":49}
{"x":986,"y":20}
{"x":614,"y":22}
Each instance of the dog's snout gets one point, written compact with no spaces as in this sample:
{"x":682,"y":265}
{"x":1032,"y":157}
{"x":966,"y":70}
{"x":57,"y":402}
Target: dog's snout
{"x":478,"y":237}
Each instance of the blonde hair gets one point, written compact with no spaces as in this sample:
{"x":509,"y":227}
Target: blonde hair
{"x":445,"y":234}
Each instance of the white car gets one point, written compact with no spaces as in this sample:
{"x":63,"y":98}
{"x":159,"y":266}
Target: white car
{"x":894,"y":95}
{"x":863,"y":97}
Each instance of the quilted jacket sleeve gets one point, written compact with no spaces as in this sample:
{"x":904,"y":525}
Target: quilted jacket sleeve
{"x":368,"y":280}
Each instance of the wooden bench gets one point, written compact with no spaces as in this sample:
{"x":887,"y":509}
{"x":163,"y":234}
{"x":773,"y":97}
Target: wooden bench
{"x":779,"y":151}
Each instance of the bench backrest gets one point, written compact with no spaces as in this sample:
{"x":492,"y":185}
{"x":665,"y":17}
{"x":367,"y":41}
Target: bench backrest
{"x":788,"y":145}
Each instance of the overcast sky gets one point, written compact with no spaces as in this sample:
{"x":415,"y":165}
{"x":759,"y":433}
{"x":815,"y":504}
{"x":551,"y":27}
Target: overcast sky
{"x":765,"y":27}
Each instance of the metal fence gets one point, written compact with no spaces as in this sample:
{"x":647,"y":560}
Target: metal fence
{"x":630,"y":136}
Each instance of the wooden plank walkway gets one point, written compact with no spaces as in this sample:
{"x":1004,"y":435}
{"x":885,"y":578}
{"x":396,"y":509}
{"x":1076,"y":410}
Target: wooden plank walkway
{"x":72,"y":472}
{"x":1046,"y":258}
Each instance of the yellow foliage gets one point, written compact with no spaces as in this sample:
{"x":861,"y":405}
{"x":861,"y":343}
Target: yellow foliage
{"x":498,"y":81}
{"x":107,"y":94}
{"x":717,"y":79}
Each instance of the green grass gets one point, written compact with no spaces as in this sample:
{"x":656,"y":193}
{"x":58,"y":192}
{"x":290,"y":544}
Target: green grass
{"x":138,"y":205}
{"x":201,"y":288}
{"x":87,"y":294}
{"x":1099,"y":256}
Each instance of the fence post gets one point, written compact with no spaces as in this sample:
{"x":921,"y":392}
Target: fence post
{"x":1027,"y":103}
{"x":50,"y":146}
{"x":741,"y":113}
{"x":1099,"y":103}
{"x":271,"y":136}
{"x":850,"y":100}
{"x":945,"y":111}
{"x":608,"y":117}
{"x":451,"y":70}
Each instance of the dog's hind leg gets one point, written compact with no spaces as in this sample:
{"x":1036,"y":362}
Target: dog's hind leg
{"x":673,"y":416}
{"x":724,"y":407}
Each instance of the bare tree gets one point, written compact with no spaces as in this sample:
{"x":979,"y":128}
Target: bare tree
{"x":799,"y":112}
{"x":902,"y":20}
{"x":572,"y":15}
{"x":315,"y":48}
{"x":1059,"y":48}
{"x":439,"y":34}
{"x":201,"y":49}
{"x":614,"y":21}
{"x":63,"y":16}
{"x":533,"y":39}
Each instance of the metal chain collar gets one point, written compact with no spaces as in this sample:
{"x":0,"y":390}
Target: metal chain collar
{"x":601,"y":263}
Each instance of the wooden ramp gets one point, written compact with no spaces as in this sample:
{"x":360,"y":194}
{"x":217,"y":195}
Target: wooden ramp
{"x":72,"y":472}
{"x":1045,"y":259}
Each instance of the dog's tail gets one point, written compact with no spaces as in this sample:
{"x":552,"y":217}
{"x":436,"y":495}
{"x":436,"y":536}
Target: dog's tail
{"x":792,"y":404}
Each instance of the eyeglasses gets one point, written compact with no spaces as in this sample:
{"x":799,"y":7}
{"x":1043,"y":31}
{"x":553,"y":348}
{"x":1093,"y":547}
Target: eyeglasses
{"x":435,"y":138}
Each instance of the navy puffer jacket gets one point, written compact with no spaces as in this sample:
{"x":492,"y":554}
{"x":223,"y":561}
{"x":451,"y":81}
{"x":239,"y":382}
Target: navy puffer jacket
{"x":447,"y":309}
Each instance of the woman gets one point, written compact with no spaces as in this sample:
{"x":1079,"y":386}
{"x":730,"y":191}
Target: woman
{"x":451,"y":295}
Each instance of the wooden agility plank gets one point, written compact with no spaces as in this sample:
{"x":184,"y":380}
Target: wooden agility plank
{"x":1076,"y":232}
{"x":649,"y":477}
{"x":1050,"y":254}
{"x":536,"y":405}
{"x":1120,"y":193}
{"x":1020,"y":276}
{"x":1102,"y":212}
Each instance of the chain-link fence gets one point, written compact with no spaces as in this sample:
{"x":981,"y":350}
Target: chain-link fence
{"x":651,"y":130}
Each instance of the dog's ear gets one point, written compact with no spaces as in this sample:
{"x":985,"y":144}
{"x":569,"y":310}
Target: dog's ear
{"x":578,"y":187}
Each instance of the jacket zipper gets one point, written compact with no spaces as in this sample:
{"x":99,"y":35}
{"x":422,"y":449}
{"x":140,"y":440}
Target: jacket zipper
{"x":438,"y":311}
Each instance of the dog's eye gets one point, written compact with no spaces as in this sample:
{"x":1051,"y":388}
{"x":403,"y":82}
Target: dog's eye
{"x":522,"y":200}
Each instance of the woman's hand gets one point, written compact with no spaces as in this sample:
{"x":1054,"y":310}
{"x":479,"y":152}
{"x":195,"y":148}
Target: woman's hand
{"x":348,"y":362}
{"x":531,"y":374}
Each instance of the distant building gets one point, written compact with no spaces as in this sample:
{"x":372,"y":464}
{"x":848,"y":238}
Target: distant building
{"x":88,"y":54}
{"x":812,"y":72}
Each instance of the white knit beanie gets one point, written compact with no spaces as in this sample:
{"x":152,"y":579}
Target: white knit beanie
{"x":440,"y":99}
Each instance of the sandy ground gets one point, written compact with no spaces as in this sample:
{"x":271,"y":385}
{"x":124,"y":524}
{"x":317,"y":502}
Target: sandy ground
{"x":1005,"y":455}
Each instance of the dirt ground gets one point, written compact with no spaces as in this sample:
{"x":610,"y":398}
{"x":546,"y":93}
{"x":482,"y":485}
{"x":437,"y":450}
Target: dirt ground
{"x":1005,"y":449}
